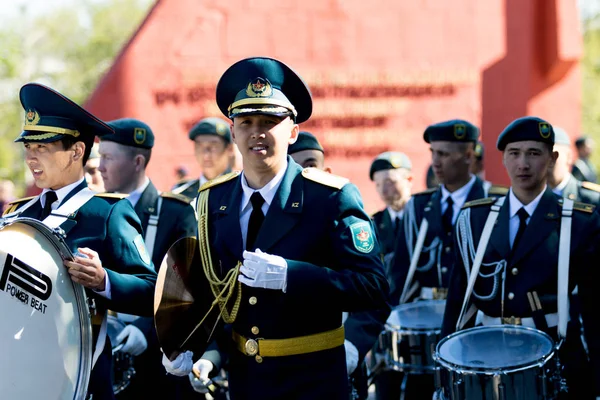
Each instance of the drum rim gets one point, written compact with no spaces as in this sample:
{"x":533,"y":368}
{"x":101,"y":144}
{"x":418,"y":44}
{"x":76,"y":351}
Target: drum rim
{"x":513,"y":368}
{"x":395,"y":328}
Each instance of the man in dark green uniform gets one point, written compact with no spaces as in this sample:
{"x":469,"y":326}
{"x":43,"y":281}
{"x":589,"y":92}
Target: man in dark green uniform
{"x":561,"y":181}
{"x":112,"y":262}
{"x":165,"y":217}
{"x":308,"y":152}
{"x":214,"y":151}
{"x":307,"y":247}
{"x":517,"y":280}
{"x":583,"y":168}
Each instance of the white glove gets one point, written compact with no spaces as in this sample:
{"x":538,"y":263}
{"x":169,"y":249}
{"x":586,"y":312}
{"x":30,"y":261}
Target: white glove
{"x":262,"y":270}
{"x":351,"y":356}
{"x":136,"y":342}
{"x":181,"y":366}
{"x":200,"y":381}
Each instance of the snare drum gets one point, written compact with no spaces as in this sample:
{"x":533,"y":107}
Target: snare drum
{"x":45,"y":334}
{"x":410,"y":336}
{"x":505,"y":362}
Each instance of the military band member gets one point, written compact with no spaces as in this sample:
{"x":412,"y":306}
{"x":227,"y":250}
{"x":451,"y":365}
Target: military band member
{"x":165,"y":218}
{"x":517,"y":280}
{"x":308,"y":152}
{"x":214,"y":153}
{"x":307,"y":246}
{"x":111,"y":260}
{"x":477,"y":167}
{"x":561,"y":181}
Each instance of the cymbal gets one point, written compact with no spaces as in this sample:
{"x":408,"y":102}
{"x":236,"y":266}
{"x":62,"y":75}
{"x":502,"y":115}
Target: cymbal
{"x":181,"y":299}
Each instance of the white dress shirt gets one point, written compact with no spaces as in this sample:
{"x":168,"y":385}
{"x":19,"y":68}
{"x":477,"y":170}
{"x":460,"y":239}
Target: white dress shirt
{"x":514,"y":206}
{"x":135,"y":196}
{"x":267,"y":192}
{"x":459,"y":198}
{"x":60,"y":194}
{"x":394,"y":214}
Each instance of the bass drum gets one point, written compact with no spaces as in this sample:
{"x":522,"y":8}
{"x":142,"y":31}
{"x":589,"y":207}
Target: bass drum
{"x":46,"y":334}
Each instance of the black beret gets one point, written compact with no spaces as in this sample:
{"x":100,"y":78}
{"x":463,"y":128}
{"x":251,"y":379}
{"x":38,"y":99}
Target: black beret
{"x":456,"y":130}
{"x":131,"y":132}
{"x":389,"y":160}
{"x":305,"y":141}
{"x":211,"y":126}
{"x":526,"y":128}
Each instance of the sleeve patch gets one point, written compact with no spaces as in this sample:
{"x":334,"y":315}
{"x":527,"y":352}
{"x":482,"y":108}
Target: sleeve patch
{"x":362,"y":236}
{"x":141,"y":248}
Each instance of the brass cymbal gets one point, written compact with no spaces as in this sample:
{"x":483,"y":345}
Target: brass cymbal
{"x":181,"y":299}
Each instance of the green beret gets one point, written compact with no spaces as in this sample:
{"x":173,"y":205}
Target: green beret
{"x":261,"y":85}
{"x":305,"y":141}
{"x":211,"y":126}
{"x":456,"y":130}
{"x":50,"y":116}
{"x":389,"y":160}
{"x":526,"y":128}
{"x":561,"y":136}
{"x":131,"y":132}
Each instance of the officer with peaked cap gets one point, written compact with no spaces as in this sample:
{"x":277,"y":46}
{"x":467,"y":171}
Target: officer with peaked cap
{"x":561,"y":181}
{"x":435,"y":210}
{"x":305,"y":248}
{"x":213,"y":150}
{"x":165,"y":218}
{"x":112,"y":261}
{"x":517,"y":279}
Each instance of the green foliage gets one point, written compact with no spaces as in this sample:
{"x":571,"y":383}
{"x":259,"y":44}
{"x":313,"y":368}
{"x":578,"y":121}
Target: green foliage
{"x":590,"y":65}
{"x":68,"y":48}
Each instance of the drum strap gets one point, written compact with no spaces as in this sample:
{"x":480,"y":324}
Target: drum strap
{"x":481,"y":247}
{"x":61,"y":214}
{"x":564,"y":250}
{"x":101,"y":341}
{"x":414,"y":260}
{"x":150,"y":238}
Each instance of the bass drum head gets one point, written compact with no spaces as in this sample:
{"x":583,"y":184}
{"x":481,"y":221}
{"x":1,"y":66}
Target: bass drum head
{"x":490,"y":348}
{"x":420,"y":315}
{"x":45,"y":335}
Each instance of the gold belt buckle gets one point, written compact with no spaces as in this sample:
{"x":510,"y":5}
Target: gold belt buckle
{"x":251,"y":347}
{"x":439,"y":293}
{"x":511,"y":321}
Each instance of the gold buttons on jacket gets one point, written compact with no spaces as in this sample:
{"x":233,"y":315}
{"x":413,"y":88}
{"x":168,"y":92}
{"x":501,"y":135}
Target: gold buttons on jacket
{"x":258,"y":359}
{"x":255,"y":330}
{"x":515,"y":271}
{"x":252,"y":300}
{"x":511,"y":296}
{"x":251,"y":347}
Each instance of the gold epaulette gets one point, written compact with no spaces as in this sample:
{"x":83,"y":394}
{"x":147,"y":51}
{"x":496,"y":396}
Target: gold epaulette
{"x":13,"y":205}
{"x":218,"y":180}
{"x":175,"y":196}
{"x":426,"y":191}
{"x":324,"y":178}
{"x":498,"y":190}
{"x":479,"y":202}
{"x":584,"y":207}
{"x":591,"y":186}
{"x":111,"y":195}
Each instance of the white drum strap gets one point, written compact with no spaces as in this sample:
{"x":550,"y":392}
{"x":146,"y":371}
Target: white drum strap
{"x":564,"y":250}
{"x":481,"y":247}
{"x":61,"y":214}
{"x":101,"y":341}
{"x":150,"y":237}
{"x":414,"y":260}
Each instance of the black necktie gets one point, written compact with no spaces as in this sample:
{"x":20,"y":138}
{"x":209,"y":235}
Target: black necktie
{"x":50,"y":198}
{"x":396,"y":226}
{"x":256,"y":219}
{"x":448,"y":215}
{"x":523,"y":215}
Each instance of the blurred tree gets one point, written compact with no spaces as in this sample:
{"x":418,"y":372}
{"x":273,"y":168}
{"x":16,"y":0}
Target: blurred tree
{"x":590,"y":64}
{"x":69,"y":48}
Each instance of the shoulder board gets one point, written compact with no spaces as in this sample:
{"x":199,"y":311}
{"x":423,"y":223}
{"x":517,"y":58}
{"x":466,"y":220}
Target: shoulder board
{"x":479,"y":202}
{"x":13,"y":205}
{"x":111,"y":195}
{"x":427,"y":191}
{"x":183,"y":181}
{"x":324,"y":178}
{"x":218,"y":180}
{"x":175,"y":196}
{"x":591,"y":186}
{"x":584,"y":207}
{"x":498,"y":190}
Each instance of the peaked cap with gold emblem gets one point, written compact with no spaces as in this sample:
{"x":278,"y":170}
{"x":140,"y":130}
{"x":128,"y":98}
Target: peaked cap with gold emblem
{"x":131,"y":132}
{"x":526,"y":128}
{"x":455,"y":130}
{"x":50,"y":116}
{"x":262,"y":85}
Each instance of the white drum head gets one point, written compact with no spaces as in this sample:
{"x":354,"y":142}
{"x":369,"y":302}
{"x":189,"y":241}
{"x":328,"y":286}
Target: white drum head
{"x":420,"y":315}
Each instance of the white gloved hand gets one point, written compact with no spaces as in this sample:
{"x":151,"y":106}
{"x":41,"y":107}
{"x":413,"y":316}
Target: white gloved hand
{"x":181,"y":366}
{"x":351,"y":356}
{"x":262,"y":270}
{"x":136,"y":342}
{"x":199,"y":380}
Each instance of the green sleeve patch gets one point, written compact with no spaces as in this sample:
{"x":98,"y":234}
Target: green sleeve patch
{"x":141,"y":248}
{"x":362,"y":236}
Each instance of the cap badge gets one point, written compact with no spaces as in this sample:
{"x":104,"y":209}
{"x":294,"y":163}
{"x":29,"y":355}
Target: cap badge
{"x":259,"y":87}
{"x":544,"y":130}
{"x":221,"y":129}
{"x":32,"y":117}
{"x":139,"y":135}
{"x":396,"y":161}
{"x":460,"y":131}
